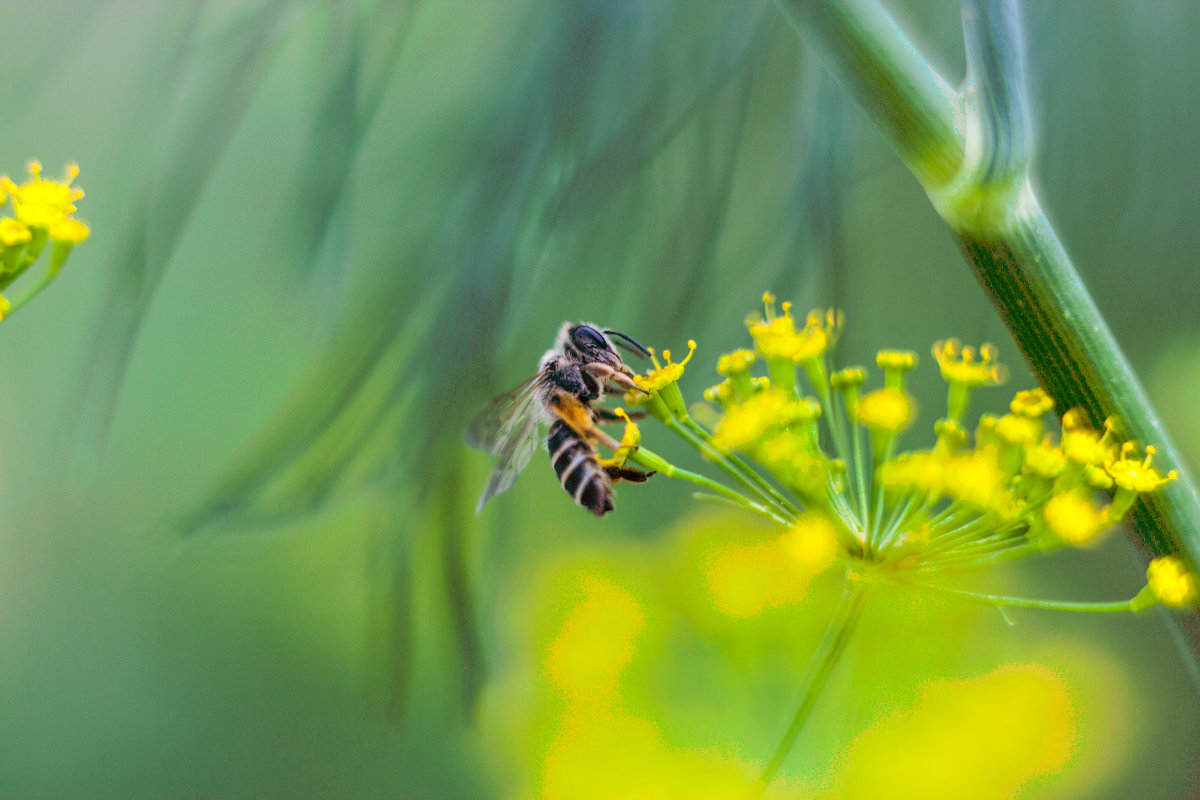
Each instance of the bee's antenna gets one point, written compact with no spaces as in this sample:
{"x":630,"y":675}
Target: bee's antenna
{"x":629,"y":343}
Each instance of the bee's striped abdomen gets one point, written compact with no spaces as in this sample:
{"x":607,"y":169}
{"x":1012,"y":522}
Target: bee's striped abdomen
{"x":578,"y":471}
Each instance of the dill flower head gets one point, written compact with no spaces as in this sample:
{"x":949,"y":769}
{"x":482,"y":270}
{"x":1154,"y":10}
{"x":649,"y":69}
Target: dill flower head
{"x":41,"y":215}
{"x":834,"y":444}
{"x":46,"y":204}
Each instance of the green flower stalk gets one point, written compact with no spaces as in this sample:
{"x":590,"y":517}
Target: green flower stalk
{"x":822,"y":457}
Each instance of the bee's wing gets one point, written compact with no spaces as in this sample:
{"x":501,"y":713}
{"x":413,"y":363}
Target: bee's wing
{"x":508,"y":429}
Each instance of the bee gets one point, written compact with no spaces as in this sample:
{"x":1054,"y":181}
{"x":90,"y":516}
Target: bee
{"x":573,"y":374}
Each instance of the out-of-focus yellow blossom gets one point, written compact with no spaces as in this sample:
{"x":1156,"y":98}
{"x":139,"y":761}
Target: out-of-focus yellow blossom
{"x":1073,"y":518}
{"x":770,"y":410}
{"x":939,"y":748}
{"x":811,"y":544}
{"x":1031,"y":403}
{"x":1172,"y":582}
{"x":888,"y":409}
{"x":13,"y":232}
{"x":596,"y":639}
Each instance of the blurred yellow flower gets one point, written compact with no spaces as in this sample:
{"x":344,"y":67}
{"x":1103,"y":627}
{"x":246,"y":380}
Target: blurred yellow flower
{"x":981,"y":739}
{"x":1171,"y":582}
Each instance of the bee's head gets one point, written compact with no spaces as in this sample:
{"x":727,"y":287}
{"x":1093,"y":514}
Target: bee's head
{"x":593,"y":344}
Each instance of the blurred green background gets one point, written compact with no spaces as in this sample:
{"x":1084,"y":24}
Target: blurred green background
{"x":238,"y":553}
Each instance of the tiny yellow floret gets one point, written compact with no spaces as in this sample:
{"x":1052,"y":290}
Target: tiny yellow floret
{"x":14,"y":233}
{"x":664,"y":374}
{"x":848,"y":378}
{"x":69,"y":231}
{"x":959,"y":364}
{"x":1031,"y":403}
{"x":887,"y":409}
{"x":746,"y":423}
{"x":735,"y":362}
{"x":1171,"y":582}
{"x":1073,"y":518}
{"x":1137,"y":476}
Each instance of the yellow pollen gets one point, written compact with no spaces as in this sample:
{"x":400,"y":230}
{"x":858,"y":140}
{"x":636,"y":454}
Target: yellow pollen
{"x":630,"y":439}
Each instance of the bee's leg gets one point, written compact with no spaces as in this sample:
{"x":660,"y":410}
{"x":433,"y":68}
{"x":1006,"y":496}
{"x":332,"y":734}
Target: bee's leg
{"x":578,"y":417}
{"x":607,"y":373}
{"x":610,"y":418}
{"x":627,"y":474}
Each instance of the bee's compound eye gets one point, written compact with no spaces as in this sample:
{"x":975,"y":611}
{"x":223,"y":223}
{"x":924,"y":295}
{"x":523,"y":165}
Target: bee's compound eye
{"x":588,"y":338}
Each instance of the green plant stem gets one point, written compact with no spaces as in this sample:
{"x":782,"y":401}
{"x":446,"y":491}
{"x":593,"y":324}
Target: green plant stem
{"x":645,"y":458}
{"x":873,"y":60}
{"x":828,"y":653}
{"x":1137,"y":603}
{"x":31,"y":292}
{"x":1002,"y":230}
{"x":762,"y":483}
{"x":726,"y":463}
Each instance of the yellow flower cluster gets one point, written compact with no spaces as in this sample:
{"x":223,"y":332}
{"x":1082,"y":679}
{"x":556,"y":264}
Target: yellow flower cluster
{"x":41,"y":213}
{"x":40,"y":204}
{"x":1011,"y":485}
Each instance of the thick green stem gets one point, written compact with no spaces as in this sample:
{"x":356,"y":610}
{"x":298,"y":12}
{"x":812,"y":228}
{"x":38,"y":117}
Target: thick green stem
{"x":829,"y":652}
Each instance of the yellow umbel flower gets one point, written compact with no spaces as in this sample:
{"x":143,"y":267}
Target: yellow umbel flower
{"x":1171,"y":582}
{"x":40,"y":203}
{"x":1007,"y":488}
